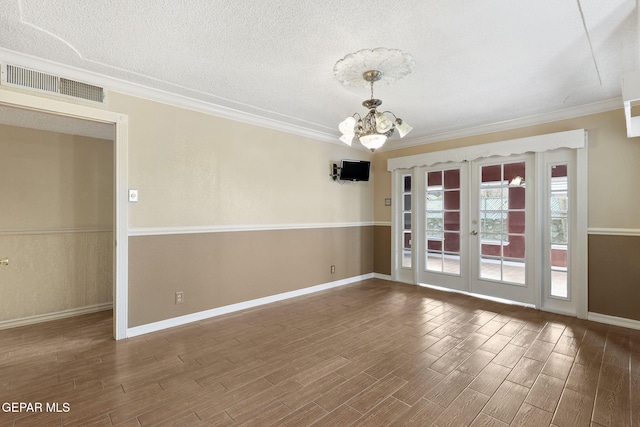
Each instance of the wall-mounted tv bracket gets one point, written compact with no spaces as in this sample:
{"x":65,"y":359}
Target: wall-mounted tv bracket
{"x":335,"y":171}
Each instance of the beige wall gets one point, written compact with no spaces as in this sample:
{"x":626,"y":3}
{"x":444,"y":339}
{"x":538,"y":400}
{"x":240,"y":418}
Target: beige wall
{"x":613,"y":174}
{"x":55,"y":272}
{"x":198,"y":170}
{"x":218,"y":269}
{"x":52,"y":180}
{"x":614,"y":275}
{"x":382,"y":249}
{"x":56,"y":221}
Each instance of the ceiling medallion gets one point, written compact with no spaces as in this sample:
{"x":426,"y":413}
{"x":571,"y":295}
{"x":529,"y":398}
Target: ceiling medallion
{"x":364,"y":68}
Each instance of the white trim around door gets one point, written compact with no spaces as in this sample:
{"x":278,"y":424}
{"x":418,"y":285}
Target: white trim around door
{"x":545,"y":148}
{"x":121,"y":246}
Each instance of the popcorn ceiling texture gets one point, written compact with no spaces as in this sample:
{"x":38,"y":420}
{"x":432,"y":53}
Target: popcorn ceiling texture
{"x":477,"y":63}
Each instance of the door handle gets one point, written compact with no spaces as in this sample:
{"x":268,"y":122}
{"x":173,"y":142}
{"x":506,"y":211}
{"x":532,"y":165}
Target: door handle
{"x":4,"y":261}
{"x":474,"y":233}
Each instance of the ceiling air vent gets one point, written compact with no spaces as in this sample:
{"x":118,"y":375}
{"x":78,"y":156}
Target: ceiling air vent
{"x":35,"y":80}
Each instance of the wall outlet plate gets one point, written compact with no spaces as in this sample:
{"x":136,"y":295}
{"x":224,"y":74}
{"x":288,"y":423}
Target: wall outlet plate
{"x":179,"y":297}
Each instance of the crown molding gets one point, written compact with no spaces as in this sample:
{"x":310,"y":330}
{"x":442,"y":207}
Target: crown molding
{"x":163,"y":96}
{"x":537,"y":119}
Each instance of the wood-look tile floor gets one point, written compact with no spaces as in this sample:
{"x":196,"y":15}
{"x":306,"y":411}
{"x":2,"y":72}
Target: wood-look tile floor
{"x":374,"y":353}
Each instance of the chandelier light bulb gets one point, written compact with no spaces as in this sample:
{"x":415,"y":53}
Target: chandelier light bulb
{"x":373,"y":141}
{"x":383,"y":124}
{"x":347,"y":126}
{"x":403,"y":128}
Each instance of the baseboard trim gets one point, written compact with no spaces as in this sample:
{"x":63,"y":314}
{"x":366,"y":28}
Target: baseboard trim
{"x":613,"y":320}
{"x":40,"y":318}
{"x":202,"y":315}
{"x":382,"y":276}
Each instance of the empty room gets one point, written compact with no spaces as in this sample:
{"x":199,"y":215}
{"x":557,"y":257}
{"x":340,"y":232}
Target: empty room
{"x":319,"y":213}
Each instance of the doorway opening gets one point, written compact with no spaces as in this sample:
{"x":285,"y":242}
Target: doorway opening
{"x":118,"y":122}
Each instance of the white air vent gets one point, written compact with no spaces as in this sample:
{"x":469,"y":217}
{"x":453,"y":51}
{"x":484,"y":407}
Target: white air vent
{"x":30,"y":79}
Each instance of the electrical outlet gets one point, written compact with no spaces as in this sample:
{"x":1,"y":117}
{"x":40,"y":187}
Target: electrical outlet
{"x":333,"y":269}
{"x":179,"y":297}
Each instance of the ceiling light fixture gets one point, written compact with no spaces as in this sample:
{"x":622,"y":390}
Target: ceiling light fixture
{"x":366,"y":67}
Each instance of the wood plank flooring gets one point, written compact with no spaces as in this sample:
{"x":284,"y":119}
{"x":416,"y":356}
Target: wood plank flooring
{"x":374,"y":353}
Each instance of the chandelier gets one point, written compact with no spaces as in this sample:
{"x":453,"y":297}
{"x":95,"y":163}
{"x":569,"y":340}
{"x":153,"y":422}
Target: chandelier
{"x":364,"y":68}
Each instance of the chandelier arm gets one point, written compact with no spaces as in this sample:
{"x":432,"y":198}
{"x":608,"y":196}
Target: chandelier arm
{"x":394,"y":116}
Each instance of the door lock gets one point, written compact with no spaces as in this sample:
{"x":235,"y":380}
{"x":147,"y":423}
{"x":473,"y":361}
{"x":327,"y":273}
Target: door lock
{"x":474,"y":233}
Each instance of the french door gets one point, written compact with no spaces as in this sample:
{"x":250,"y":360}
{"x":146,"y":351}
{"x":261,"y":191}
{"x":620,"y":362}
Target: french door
{"x":499,"y":226}
{"x":472,"y":227}
{"x":443,"y":225}
{"x":502,"y":220}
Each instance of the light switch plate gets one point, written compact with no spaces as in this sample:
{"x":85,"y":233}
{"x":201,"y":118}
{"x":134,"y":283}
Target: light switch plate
{"x":133,"y":195}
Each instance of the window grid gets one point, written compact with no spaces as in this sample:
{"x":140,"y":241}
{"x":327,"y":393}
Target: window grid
{"x":406,"y":221}
{"x":502,"y":222}
{"x":559,"y":231}
{"x":442,"y":221}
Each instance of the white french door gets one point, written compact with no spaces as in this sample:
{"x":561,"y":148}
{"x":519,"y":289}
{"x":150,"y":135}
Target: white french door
{"x":472,"y":227}
{"x":443,"y":225}
{"x":502,"y":243}
{"x":504,"y":220}
{"x":475,"y":227}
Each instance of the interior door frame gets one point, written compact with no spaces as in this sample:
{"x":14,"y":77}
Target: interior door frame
{"x":21,"y":100}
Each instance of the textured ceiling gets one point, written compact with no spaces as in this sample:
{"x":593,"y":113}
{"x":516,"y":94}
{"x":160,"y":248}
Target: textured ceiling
{"x":477,"y":62}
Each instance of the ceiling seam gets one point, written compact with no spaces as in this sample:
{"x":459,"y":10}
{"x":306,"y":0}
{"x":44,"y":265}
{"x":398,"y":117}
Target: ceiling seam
{"x":49,"y":33}
{"x":586,"y":31}
{"x":237,"y":104}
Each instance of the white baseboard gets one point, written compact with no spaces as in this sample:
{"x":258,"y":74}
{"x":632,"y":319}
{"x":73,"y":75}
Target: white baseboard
{"x":202,"y":315}
{"x":613,"y":320}
{"x":24,"y":321}
{"x":381,"y":276}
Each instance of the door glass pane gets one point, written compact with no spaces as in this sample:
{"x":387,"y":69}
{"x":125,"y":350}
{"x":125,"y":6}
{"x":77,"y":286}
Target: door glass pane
{"x":513,"y":272}
{"x":406,"y":180}
{"x":490,"y":268}
{"x":502,"y":222}
{"x":452,"y":221}
{"x":434,"y":179}
{"x":407,"y":202}
{"x":442,"y":221}
{"x":452,"y":200}
{"x":452,"y":179}
{"x":451,"y":263}
{"x":434,"y":261}
{"x":559,"y":230}
{"x":406,"y":221}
